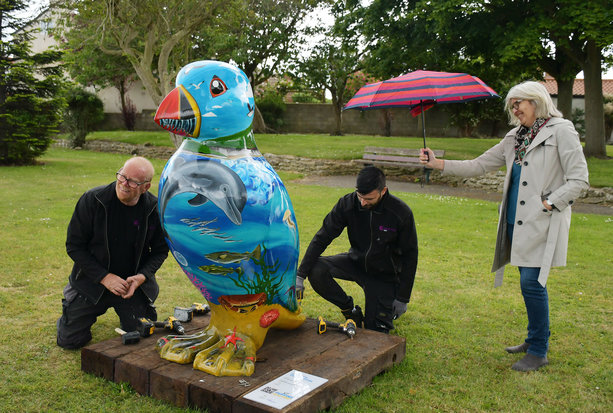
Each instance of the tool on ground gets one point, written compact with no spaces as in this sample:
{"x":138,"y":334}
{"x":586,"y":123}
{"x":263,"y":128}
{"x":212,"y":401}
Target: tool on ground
{"x":146,"y":327}
{"x":171,"y":323}
{"x":186,"y":314}
{"x":132,"y":337}
{"x":348,"y":327}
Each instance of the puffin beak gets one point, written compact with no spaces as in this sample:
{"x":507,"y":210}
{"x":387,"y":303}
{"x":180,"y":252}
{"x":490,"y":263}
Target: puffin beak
{"x":179,"y":113}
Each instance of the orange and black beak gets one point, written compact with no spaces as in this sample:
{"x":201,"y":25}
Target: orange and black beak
{"x":179,"y":113}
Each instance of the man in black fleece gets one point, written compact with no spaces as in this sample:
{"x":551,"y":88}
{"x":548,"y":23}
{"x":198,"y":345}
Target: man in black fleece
{"x":382,"y":258}
{"x":116,"y":242}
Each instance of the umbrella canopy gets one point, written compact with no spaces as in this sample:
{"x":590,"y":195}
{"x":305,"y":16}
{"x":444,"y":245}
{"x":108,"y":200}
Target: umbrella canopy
{"x":420,"y":89}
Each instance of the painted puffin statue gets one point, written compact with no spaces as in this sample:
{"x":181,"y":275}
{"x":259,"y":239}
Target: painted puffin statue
{"x":228,"y":221}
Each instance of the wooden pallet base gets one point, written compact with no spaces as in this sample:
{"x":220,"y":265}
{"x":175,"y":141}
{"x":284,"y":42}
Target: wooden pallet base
{"x":349,"y":366}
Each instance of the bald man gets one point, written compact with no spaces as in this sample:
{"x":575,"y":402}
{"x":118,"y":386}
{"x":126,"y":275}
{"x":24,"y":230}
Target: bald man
{"x":117,"y":245}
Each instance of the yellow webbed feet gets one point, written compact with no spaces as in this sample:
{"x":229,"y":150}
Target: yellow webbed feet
{"x":234,"y":355}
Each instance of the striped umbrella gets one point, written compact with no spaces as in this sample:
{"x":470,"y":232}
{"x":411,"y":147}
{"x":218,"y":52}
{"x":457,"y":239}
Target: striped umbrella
{"x":420,"y":90}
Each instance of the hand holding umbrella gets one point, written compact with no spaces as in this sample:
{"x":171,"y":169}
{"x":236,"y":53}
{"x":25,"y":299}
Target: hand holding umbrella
{"x":428,"y":160}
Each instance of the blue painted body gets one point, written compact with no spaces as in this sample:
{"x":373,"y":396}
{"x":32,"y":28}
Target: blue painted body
{"x":227,"y":216}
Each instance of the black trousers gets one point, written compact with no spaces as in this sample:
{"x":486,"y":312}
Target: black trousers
{"x":79,"y":314}
{"x":379,"y":292}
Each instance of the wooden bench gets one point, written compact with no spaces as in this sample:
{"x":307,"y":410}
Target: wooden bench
{"x":398,"y":157}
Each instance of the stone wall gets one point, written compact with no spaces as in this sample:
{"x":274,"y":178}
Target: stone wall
{"x":319,"y":118}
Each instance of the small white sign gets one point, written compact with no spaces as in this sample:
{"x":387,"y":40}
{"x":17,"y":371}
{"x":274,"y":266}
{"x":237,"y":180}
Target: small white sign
{"x":285,"y":389}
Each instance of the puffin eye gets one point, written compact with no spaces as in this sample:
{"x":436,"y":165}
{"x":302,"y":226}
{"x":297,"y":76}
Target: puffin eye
{"x":218,"y":87}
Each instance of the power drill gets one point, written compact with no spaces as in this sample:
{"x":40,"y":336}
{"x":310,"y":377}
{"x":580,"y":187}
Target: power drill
{"x":348,"y":327}
{"x":185,"y":315}
{"x":146,"y":326}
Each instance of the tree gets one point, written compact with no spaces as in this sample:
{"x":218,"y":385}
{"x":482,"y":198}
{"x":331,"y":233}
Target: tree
{"x":562,"y":37}
{"x":592,"y":23}
{"x":262,"y":37}
{"x":30,"y":85}
{"x":155,"y":36}
{"x":336,"y":58}
{"x":404,"y":36}
{"x":503,"y":41}
{"x":87,"y":66}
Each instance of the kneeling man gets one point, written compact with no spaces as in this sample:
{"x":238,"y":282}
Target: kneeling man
{"x":382,"y":258}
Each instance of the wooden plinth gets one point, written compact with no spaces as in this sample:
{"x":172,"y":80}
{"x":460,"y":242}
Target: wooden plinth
{"x":349,"y":366}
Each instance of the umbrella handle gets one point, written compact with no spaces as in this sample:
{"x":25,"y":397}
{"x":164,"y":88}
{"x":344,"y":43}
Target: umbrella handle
{"x":423,"y":125}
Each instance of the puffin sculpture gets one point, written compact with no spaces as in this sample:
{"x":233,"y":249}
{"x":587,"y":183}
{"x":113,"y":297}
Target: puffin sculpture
{"x":228,"y":221}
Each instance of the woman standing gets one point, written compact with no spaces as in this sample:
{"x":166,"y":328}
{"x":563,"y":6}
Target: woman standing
{"x":546,"y":171}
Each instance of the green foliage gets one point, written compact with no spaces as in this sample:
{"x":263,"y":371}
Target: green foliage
{"x":335,"y":58}
{"x":608,"y":116}
{"x":156,"y":37}
{"x":88,"y":66}
{"x":83,"y":112}
{"x":272,"y":107}
{"x":306,"y":97}
{"x":263,"y":37}
{"x":456,"y":325}
{"x":30,"y":103}
{"x":578,"y":119}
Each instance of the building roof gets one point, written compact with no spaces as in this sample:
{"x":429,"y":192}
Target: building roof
{"x":578,"y":87}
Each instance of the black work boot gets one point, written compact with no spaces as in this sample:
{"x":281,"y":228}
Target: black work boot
{"x":530,"y":362}
{"x":356,"y":315}
{"x":518,"y":349}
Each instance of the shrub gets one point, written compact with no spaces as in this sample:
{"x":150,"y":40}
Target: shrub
{"x":578,"y":119}
{"x":306,"y":97}
{"x":608,"y":117}
{"x":84,"y":111}
{"x":272,"y":108}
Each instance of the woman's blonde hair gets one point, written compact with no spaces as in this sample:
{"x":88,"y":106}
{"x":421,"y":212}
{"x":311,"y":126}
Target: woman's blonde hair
{"x":536,"y":93}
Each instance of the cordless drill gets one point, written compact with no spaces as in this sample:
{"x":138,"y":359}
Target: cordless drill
{"x":146,"y":327}
{"x":348,"y":327}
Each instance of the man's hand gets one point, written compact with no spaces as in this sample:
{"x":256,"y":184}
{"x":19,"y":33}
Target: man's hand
{"x":299,"y":287}
{"x":115,"y":284}
{"x":398,"y":308}
{"x":134,"y":282}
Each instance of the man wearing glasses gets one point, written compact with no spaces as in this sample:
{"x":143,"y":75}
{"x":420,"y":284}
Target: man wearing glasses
{"x":117,"y":245}
{"x":382,"y":259}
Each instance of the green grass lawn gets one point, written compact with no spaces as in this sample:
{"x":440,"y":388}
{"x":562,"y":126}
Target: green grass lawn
{"x":352,"y":146}
{"x":456,"y":325}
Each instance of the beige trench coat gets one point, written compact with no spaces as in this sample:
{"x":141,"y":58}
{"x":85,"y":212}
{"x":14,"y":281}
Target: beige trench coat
{"x":554,"y":168}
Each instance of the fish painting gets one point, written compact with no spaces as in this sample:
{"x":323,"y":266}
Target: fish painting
{"x":228,"y":220}
{"x":229,"y":257}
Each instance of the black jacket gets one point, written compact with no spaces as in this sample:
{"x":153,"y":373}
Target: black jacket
{"x":87,"y":243}
{"x":383,"y":240}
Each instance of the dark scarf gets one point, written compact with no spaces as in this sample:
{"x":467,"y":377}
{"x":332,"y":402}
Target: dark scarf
{"x":524,"y":137}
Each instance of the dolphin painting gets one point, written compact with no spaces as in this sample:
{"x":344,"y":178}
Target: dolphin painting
{"x":209,"y":180}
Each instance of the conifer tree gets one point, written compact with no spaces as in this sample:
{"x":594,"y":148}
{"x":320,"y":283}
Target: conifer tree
{"x":30,"y":90}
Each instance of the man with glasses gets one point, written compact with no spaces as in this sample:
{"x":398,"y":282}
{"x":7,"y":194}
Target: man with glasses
{"x":116,"y":242}
{"x":382,"y":259}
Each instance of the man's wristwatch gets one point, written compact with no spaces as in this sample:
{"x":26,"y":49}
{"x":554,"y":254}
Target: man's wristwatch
{"x":550,"y":203}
